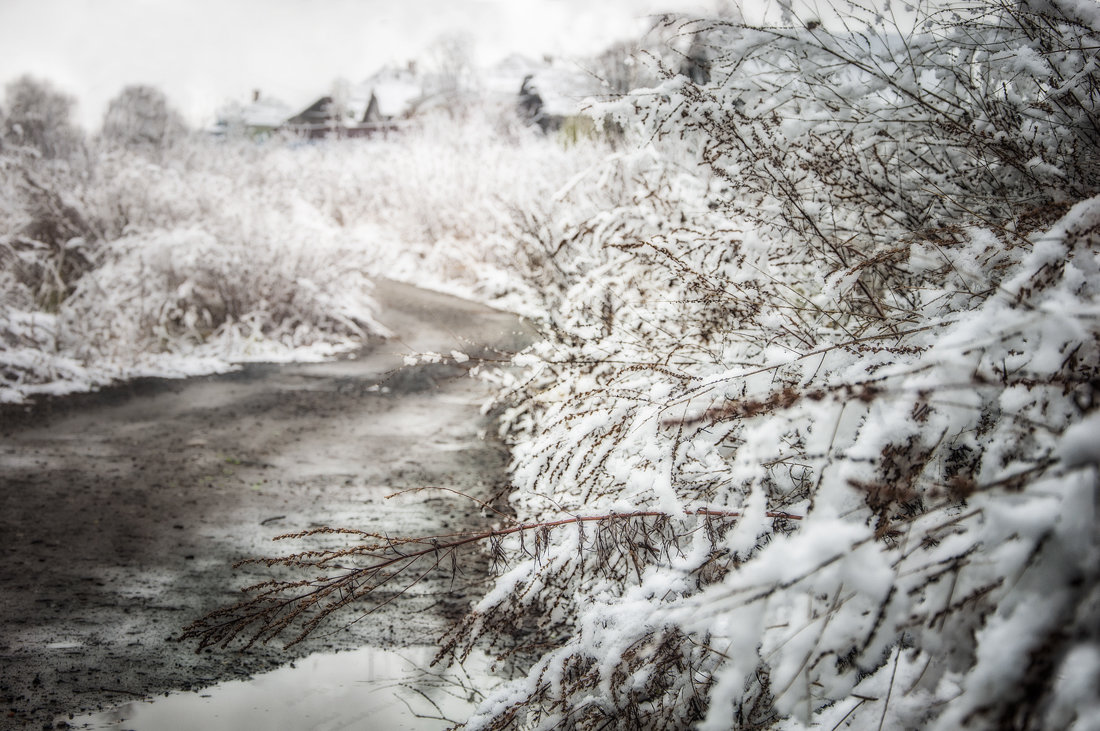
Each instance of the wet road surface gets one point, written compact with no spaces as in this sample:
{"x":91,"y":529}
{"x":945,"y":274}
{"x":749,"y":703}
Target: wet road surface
{"x":122,"y":512}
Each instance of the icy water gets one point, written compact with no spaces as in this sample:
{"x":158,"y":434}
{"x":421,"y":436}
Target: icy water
{"x":369,"y":688}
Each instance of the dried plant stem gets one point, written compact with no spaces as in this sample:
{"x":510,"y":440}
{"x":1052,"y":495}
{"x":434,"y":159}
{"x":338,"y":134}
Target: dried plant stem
{"x":277,"y":605}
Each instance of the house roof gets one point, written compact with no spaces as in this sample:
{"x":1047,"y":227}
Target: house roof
{"x":394,"y":92}
{"x":262,"y":113}
{"x":265,"y":113}
{"x":397,"y":91}
{"x":318,"y":112}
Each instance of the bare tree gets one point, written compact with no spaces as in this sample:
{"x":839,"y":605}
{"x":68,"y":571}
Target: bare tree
{"x":450,"y":76}
{"x":623,"y":67}
{"x":39,"y":118}
{"x":140,"y":117}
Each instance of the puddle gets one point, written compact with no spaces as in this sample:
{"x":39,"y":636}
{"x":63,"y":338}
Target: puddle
{"x":367,"y":688}
{"x":64,"y":645}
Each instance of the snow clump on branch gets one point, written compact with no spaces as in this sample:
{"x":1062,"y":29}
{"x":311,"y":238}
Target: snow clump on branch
{"x":867,"y":331}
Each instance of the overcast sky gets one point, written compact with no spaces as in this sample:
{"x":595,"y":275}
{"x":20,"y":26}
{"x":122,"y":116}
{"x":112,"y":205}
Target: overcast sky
{"x":202,"y":53}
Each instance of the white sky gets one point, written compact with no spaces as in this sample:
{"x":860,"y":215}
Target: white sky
{"x":202,"y":53}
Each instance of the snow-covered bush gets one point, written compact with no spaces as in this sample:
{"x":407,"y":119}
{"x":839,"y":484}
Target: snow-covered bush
{"x":46,"y":241}
{"x":188,"y":291}
{"x":169,"y":263}
{"x":443,"y":193}
{"x":813,"y":438}
{"x":166,"y":258}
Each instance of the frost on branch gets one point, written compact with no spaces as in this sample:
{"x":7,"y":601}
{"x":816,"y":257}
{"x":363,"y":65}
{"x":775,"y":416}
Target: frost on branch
{"x":875,"y":306}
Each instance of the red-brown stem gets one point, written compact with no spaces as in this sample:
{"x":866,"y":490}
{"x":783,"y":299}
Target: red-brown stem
{"x":322,"y":585}
{"x":552,"y":524}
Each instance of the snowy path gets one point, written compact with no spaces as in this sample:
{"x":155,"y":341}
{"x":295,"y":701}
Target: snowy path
{"x":122,"y":512}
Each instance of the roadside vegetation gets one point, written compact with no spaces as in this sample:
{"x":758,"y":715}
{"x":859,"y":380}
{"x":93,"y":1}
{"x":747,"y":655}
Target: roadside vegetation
{"x":811,"y":438}
{"x":148,"y":249}
{"x":837,"y":324}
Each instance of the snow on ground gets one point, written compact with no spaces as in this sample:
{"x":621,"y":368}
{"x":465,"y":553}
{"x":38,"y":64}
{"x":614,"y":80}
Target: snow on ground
{"x":818,"y":369}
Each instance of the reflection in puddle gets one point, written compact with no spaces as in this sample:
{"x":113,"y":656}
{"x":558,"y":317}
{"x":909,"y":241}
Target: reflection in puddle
{"x":64,"y":645}
{"x":368,"y":688}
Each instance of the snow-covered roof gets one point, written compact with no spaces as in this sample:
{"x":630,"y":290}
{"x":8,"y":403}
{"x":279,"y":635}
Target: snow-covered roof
{"x":266,"y":113}
{"x":263,"y":113}
{"x":396,"y":91}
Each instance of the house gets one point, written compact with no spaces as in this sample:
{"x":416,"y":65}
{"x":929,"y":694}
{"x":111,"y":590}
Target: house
{"x":323,"y":118}
{"x":381,"y":104}
{"x":392,"y":94}
{"x":258,"y":119}
{"x":320,"y":113}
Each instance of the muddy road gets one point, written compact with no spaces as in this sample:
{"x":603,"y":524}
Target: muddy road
{"x":122,"y":512}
